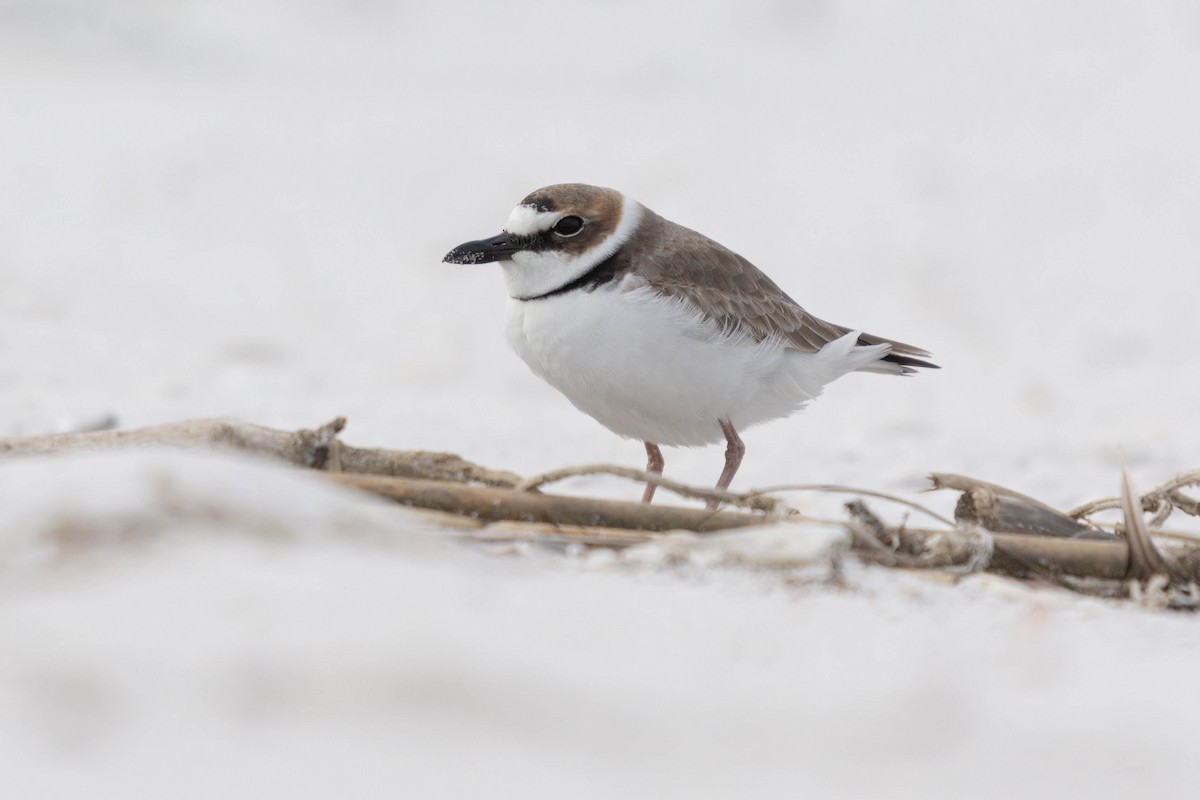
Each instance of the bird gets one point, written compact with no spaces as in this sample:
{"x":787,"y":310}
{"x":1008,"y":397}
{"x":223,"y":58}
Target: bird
{"x":658,"y":332}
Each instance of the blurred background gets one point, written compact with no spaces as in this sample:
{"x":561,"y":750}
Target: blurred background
{"x":229,"y":208}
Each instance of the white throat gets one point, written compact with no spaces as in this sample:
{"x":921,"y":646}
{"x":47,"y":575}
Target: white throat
{"x":529,"y":274}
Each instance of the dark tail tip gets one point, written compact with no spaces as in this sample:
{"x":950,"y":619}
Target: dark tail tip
{"x":909,"y":361}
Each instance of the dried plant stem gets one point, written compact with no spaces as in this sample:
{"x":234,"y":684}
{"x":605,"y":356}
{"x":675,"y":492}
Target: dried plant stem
{"x":836,"y":489}
{"x":1161,"y":499}
{"x":1145,"y":560}
{"x":997,"y":508}
{"x":1158,"y":533}
{"x":753,"y":501}
{"x":494,"y":504}
{"x":949,"y":480}
{"x":1049,"y":555}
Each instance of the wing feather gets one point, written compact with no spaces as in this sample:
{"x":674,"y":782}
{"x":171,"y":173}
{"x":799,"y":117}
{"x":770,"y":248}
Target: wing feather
{"x":739,"y":296}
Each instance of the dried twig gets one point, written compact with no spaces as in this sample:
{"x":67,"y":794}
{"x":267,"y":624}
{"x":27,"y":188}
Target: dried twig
{"x":1162,"y":500}
{"x":752,"y":500}
{"x":872,"y":536}
{"x":755,"y":499}
{"x":837,"y":489}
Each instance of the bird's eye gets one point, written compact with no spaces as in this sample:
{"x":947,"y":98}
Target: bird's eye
{"x":568,"y":226}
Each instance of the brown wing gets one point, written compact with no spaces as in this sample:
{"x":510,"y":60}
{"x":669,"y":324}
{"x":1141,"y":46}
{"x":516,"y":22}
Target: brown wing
{"x":738,"y":296}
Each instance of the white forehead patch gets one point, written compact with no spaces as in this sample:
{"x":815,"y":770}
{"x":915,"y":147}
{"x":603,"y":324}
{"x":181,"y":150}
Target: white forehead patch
{"x":527,"y":221}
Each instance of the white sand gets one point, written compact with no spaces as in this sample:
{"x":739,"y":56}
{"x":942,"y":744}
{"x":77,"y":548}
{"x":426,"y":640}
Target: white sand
{"x":229,"y":209}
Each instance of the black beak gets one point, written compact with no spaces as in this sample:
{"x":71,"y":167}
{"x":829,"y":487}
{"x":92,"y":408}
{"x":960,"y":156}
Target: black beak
{"x":497,"y":248}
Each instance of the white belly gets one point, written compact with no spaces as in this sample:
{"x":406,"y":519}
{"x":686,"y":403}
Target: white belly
{"x":651,"y":367}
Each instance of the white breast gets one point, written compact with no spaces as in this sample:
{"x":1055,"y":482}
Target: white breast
{"x":651,"y":367}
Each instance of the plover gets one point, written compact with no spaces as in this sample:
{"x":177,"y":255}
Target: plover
{"x":658,"y":332}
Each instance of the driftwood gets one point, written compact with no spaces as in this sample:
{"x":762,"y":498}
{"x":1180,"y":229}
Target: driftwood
{"x":492,"y":505}
{"x":319,"y":448}
{"x":995,"y":528}
{"x":1002,"y":510}
{"x":609,"y":523}
{"x":1012,"y":553}
{"x":1101,"y":567}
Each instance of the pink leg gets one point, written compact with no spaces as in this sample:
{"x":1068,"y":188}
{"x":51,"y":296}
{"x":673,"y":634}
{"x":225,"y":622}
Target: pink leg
{"x":734,"y":450}
{"x":654,"y":463}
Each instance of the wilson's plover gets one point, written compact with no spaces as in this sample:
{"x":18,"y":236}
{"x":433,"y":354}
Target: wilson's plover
{"x":660,"y":333}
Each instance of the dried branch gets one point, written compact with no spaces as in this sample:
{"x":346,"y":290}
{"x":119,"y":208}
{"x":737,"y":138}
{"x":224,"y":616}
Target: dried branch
{"x":494,"y":504}
{"x":1012,"y":517}
{"x":996,"y":528}
{"x":1024,"y":556}
{"x":318,"y":448}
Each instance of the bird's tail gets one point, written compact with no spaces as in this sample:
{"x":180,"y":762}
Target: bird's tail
{"x":898,"y":358}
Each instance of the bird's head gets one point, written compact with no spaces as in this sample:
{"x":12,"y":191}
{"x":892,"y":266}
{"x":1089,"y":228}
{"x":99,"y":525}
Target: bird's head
{"x":554,"y":236}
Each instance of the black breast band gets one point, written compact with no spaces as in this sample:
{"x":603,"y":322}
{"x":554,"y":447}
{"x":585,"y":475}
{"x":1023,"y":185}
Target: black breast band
{"x":598,"y":275}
